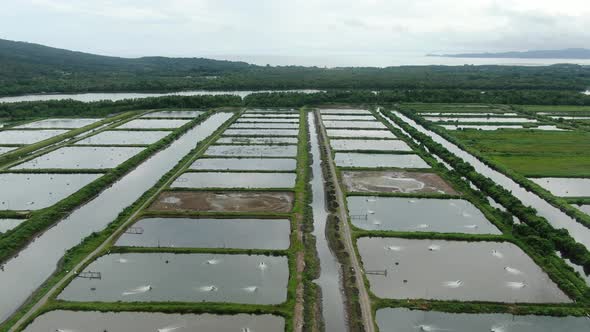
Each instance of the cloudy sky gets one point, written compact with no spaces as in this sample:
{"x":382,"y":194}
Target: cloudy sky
{"x":296,"y":27}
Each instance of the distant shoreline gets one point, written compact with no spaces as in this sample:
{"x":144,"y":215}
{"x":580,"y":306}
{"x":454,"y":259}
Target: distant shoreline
{"x":565,"y":54}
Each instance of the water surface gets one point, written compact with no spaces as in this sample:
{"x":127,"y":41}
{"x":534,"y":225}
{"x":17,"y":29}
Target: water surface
{"x":153,"y":124}
{"x":474,"y":119}
{"x":8,"y":224}
{"x":338,"y":117}
{"x":252,"y":150}
{"x":235,"y":180}
{"x":369,"y":144}
{"x":354,"y":124}
{"x":246,"y":164}
{"x":565,"y":187}
{"x":68,"y":321}
{"x":59,"y":123}
{"x":82,"y":157}
{"x":455,"y":270}
{"x":343,"y":111}
{"x":20,"y":191}
{"x":406,"y":320}
{"x":4,"y":149}
{"x":173,"y":114}
{"x":273,"y":125}
{"x":260,"y":132}
{"x":28,"y":136}
{"x":353,"y":159}
{"x":121,"y":137}
{"x":351,"y":133}
{"x":209,"y":233}
{"x":256,"y":140}
{"x":134,"y":277}
{"x":418,"y":215}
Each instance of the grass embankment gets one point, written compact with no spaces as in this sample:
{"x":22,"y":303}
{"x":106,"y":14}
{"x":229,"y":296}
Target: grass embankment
{"x":76,"y":254}
{"x":535,"y":235}
{"x":335,"y":239}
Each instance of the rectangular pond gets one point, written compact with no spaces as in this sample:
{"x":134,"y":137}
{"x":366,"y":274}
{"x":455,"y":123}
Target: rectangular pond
{"x":228,"y":201}
{"x":584,"y":208}
{"x":353,"y":159}
{"x":395,"y":182}
{"x":458,"y":114}
{"x":481,"y":127}
{"x":406,"y":214}
{"x":482,"y":119}
{"x":81,"y":157}
{"x":8,"y":224}
{"x":249,"y":125}
{"x":209,"y":233}
{"x":59,"y":123}
{"x":270,"y":116}
{"x":94,"y":321}
{"x":261,"y":132}
{"x":336,"y":117}
{"x":455,"y":270}
{"x":406,"y":320}
{"x":173,"y":114}
{"x":354,"y":124}
{"x":28,"y":136}
{"x":252,"y":150}
{"x":565,"y":187}
{"x":153,"y":124}
{"x":269,"y":119}
{"x":256,"y":140}
{"x":134,"y":277}
{"x":121,"y":137}
{"x":352,"y":133}
{"x":369,"y":144}
{"x":245,"y":164}
{"x":235,"y":180}
{"x":37,"y":191}
{"x":344,"y":111}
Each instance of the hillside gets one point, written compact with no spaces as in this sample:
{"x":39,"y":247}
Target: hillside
{"x":568,"y":53}
{"x":31,"y":68}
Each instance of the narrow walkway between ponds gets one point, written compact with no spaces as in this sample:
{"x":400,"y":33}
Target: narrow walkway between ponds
{"x":554,"y":216}
{"x":333,"y":310}
{"x":23,"y":274}
{"x":364,"y":299}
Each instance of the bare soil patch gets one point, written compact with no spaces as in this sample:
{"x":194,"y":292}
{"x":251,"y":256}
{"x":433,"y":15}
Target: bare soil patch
{"x":395,"y":182}
{"x":224,"y":201}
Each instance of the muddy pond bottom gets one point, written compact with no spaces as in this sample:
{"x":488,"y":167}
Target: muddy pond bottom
{"x":395,"y":182}
{"x":224,"y":201}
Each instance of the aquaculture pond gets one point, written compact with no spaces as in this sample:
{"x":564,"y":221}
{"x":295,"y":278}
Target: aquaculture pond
{"x":173,"y":114}
{"x":467,"y":113}
{"x":234,"y":180}
{"x":354,"y":124}
{"x":344,"y":111}
{"x":229,"y":201}
{"x":153,"y":124}
{"x":35,"y":263}
{"x":208,"y":233}
{"x":406,"y":320}
{"x":59,"y":123}
{"x":369,"y":144}
{"x":252,"y":150}
{"x":474,"y":119}
{"x":418,"y":215}
{"x":256,"y":140}
{"x":565,"y":187}
{"x":584,"y":208}
{"x":351,"y":133}
{"x":270,"y":116}
{"x":268,"y":119}
{"x":121,"y":137}
{"x":249,"y":125}
{"x":4,"y":149}
{"x":353,"y":159}
{"x":481,"y":127}
{"x":82,"y":157}
{"x":28,"y":136}
{"x":455,"y":270}
{"x":37,"y":191}
{"x":143,"y":277}
{"x":395,"y":182}
{"x":8,"y":224}
{"x":245,"y":164}
{"x":261,"y":132}
{"x":336,"y":117}
{"x":93,"y":321}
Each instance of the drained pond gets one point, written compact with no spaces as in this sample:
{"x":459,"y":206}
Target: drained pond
{"x":208,"y":233}
{"x":134,"y":277}
{"x":455,"y":270}
{"x":395,"y":182}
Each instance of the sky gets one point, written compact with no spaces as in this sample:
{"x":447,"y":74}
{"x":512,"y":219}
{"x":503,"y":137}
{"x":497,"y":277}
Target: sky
{"x":133,"y":28}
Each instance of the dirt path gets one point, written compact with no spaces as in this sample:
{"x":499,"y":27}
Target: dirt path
{"x":41,"y":302}
{"x":365,"y":301}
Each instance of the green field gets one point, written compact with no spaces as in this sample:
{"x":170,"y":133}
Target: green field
{"x":555,"y":108}
{"x":534,"y":153}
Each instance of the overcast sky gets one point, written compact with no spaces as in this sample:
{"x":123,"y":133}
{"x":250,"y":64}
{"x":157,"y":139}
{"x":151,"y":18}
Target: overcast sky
{"x":296,"y":27}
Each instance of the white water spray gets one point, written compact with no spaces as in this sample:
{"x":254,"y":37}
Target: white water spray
{"x":453,"y":284}
{"x":138,"y":290}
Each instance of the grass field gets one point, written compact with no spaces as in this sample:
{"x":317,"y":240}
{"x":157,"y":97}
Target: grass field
{"x":534,"y":153}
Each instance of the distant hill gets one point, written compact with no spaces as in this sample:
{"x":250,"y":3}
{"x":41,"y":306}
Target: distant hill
{"x":568,"y":53}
